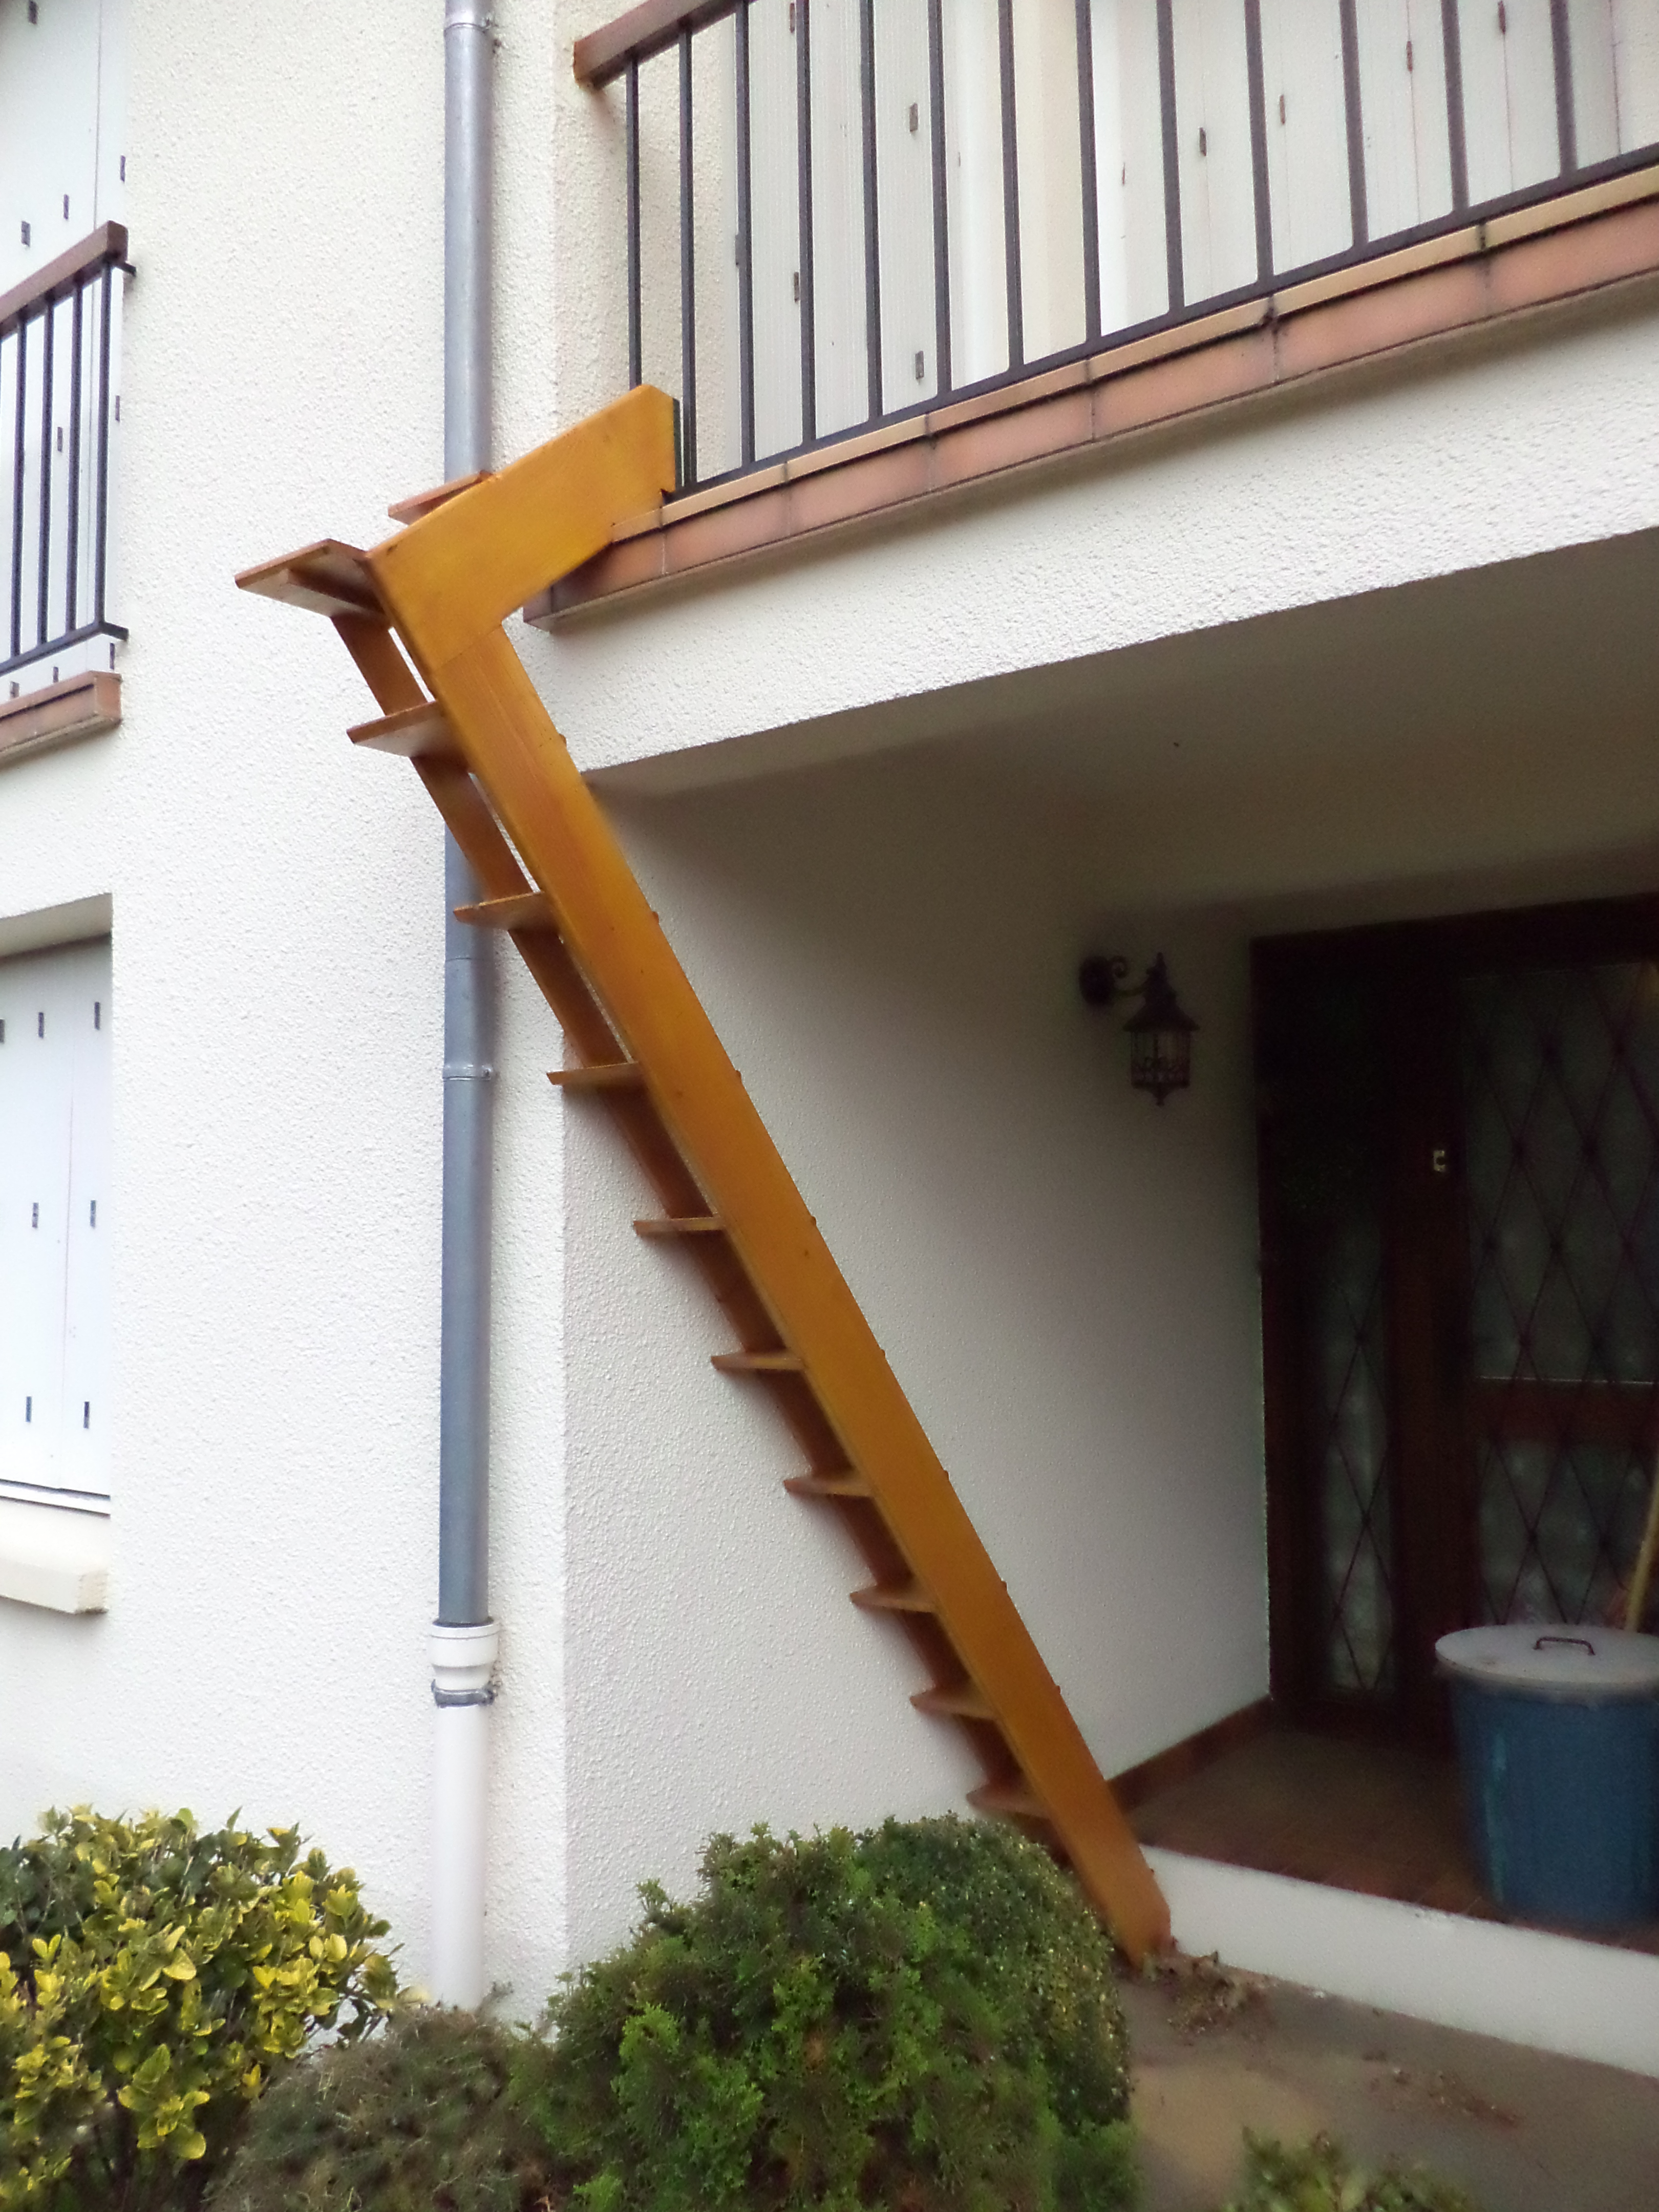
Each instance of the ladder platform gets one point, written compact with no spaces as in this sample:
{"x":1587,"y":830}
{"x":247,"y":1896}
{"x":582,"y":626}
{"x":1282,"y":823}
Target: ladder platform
{"x":328,"y":578}
{"x":1014,"y":1800}
{"x":681,"y":1225}
{"x":417,"y":733}
{"x":525,"y":910}
{"x":964,"y":1701}
{"x":893,"y":1597}
{"x":844,"y":1484}
{"x":604,"y":1075}
{"x":758,"y":1363}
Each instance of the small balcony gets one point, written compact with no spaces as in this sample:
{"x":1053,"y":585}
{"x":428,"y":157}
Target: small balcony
{"x":838,"y":215}
{"x":59,"y":339}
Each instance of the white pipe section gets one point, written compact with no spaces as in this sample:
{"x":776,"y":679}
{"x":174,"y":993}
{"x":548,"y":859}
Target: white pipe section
{"x":463,"y":1666}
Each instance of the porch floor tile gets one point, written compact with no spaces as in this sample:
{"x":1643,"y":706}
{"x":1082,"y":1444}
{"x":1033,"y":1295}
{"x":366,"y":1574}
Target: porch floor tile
{"x":1385,"y":1820}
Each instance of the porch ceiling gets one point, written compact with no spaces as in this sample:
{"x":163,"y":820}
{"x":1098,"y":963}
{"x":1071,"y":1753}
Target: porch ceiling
{"x":1499,"y":723}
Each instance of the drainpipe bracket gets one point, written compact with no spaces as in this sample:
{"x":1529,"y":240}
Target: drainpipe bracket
{"x":464,"y":1663}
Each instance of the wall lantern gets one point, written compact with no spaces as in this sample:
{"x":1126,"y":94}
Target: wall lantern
{"x":1160,"y":1033}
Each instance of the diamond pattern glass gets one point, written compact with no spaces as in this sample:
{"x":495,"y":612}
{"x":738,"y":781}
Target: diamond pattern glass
{"x":1348,"y":1341}
{"x":1561,"y":1071}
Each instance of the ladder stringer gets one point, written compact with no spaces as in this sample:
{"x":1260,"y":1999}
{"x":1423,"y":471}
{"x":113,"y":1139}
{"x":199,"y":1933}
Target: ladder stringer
{"x":445,"y":584}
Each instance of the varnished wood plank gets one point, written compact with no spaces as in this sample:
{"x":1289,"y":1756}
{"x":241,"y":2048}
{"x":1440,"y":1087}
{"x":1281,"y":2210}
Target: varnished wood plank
{"x":528,"y":910}
{"x":418,"y":733}
{"x":894,"y":1597}
{"x":612,"y":1075}
{"x":446,"y":583}
{"x":473,"y":827}
{"x":691,"y":1225}
{"x":328,"y":578}
{"x":456,"y":574}
{"x":429,"y":502}
{"x":380,"y":662}
{"x":1010,"y":1801}
{"x":848,"y":1484}
{"x":57,"y":280}
{"x":556,"y":824}
{"x":758,"y":1363}
{"x":650,"y":28}
{"x":963,"y":1703}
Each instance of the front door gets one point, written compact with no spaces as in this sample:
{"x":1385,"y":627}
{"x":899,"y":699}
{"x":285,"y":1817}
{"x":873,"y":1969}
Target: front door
{"x":1460,"y":1202}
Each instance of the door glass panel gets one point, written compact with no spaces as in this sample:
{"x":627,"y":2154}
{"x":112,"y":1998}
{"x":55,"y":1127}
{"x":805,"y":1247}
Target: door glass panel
{"x":1325,"y":1079}
{"x":1561,"y":1074}
{"x":1348,"y":1345}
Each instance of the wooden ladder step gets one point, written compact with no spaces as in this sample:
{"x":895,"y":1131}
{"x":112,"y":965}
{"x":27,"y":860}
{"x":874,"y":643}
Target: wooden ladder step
{"x":893,"y":1597}
{"x":420,"y":733}
{"x":758,"y":1363}
{"x":681,"y":1225}
{"x":429,"y":502}
{"x":525,"y":910}
{"x":1014,"y":1800}
{"x":844,"y":1484}
{"x":328,"y":578}
{"x":604,"y":1075}
{"x":964,"y":1701}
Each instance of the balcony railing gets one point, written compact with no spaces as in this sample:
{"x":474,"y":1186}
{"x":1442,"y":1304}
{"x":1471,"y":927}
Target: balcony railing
{"x":57,"y":333}
{"x":839,"y":212}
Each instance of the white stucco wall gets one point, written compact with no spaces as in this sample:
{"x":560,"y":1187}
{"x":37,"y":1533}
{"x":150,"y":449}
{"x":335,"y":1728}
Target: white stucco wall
{"x":278,"y":962}
{"x":1062,"y":1275}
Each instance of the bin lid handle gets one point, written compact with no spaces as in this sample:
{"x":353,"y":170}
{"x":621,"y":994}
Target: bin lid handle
{"x":1583,"y":1642}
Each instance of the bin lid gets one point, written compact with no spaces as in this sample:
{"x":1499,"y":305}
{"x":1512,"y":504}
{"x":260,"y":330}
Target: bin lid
{"x":1542,"y":1660}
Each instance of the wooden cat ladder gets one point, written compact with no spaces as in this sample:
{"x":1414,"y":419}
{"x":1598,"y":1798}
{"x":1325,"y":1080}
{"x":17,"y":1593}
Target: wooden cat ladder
{"x":455,"y":701}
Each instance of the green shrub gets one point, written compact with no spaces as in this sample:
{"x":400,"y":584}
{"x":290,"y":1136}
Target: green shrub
{"x":922,"y":2016}
{"x":1316,"y":2177}
{"x":413,"y":2119}
{"x":150,"y":1978}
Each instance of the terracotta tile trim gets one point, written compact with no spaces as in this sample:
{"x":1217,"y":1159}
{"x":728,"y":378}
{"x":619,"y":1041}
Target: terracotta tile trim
{"x":1487,"y":273}
{"x":79,"y":707}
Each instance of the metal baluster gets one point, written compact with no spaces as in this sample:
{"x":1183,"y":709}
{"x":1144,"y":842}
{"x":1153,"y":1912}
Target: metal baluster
{"x":942,"y":381}
{"x":43,"y":553}
{"x":1010,"y":186}
{"x":1451,"y":35}
{"x":73,"y":557}
{"x":1089,"y":167}
{"x":21,"y":335}
{"x":745,"y":250}
{"x":101,"y":540}
{"x":688,"y":278}
{"x":1166,"y":94}
{"x":1256,"y":75}
{"x":809,"y":335}
{"x":1354,"y":117}
{"x":635,"y":312}
{"x":1566,"y":120}
{"x":872,"y":208}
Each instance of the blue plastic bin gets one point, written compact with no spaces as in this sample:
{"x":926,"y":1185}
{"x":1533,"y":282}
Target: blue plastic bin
{"x":1558,"y":1731}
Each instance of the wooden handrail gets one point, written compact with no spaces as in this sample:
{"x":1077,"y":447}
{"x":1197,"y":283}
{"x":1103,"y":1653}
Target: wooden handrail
{"x":648,"y":29}
{"x":59,"y":278}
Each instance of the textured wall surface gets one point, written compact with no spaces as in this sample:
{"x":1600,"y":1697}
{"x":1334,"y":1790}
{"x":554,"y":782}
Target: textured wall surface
{"x":278,"y":972}
{"x":1061,"y":1275}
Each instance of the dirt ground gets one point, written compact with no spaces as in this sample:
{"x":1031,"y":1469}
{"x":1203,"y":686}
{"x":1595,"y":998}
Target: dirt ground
{"x":1519,"y":2130}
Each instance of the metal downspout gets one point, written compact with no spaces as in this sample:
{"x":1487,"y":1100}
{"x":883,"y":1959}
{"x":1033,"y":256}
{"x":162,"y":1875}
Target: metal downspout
{"x":464,"y":1637}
